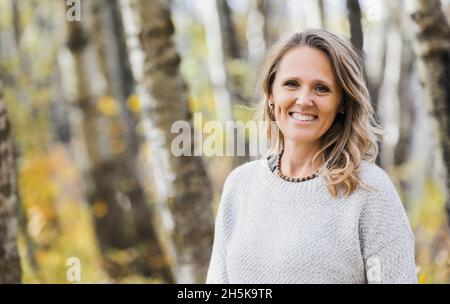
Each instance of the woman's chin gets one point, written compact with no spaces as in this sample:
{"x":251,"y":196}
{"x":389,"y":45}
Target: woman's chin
{"x":301,"y":137}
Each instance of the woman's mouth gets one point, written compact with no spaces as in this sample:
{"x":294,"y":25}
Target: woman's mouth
{"x":301,"y":117}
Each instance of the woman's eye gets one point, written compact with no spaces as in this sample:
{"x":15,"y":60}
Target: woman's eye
{"x":291,"y":84}
{"x":322,"y":89}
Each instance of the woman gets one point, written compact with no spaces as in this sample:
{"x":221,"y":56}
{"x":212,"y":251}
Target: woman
{"x":318,"y":210}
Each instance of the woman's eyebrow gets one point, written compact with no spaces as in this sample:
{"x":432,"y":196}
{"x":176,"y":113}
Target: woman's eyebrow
{"x":321,"y":80}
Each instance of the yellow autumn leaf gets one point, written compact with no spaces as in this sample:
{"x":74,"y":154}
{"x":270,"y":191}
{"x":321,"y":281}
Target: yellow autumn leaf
{"x":423,"y":278}
{"x":134,"y":103}
{"x":193,"y":103}
{"x":100,"y":209}
{"x":108,"y":106}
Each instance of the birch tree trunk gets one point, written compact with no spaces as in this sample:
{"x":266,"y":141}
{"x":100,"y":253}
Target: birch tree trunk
{"x":354,"y":17}
{"x":357,"y":40}
{"x":228,"y":32}
{"x":112,"y":49}
{"x":407,"y":116}
{"x":216,"y":60}
{"x":233,"y":54}
{"x":9,"y":256}
{"x":432,"y":48}
{"x":256,"y":43}
{"x":405,"y":90}
{"x":183,"y":183}
{"x":10,"y":52}
{"x":123,"y":220}
{"x":222,"y":50}
{"x":388,"y":103}
{"x":376,"y":50}
{"x":270,"y":30}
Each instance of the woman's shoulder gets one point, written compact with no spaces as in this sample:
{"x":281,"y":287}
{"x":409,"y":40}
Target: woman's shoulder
{"x":244,"y":172}
{"x":370,"y":174}
{"x":384,"y":199}
{"x":383,"y":212}
{"x":238,"y":180}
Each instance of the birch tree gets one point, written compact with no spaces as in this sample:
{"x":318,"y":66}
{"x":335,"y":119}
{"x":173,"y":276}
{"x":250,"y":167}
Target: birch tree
{"x":9,"y":257}
{"x":388,"y":98}
{"x":184,"y":186}
{"x":231,"y":44}
{"x":432,"y":48}
{"x":354,"y":17}
{"x":216,"y":60}
{"x":222,"y":50}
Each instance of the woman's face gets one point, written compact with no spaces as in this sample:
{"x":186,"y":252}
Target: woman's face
{"x":305,"y":95}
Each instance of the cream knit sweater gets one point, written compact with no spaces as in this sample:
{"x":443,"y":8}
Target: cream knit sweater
{"x":272,"y":231}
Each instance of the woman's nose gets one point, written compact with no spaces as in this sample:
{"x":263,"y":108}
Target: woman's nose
{"x":304,"y":98}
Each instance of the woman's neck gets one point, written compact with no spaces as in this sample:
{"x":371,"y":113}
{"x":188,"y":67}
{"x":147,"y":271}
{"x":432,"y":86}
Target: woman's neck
{"x":297,"y":159}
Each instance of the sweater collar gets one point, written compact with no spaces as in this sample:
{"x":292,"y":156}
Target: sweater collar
{"x":267,"y":167}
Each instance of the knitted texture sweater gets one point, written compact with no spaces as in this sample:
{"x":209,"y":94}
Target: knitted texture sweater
{"x":268,"y":230}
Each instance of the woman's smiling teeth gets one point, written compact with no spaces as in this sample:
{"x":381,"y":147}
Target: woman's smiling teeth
{"x":301,"y":117}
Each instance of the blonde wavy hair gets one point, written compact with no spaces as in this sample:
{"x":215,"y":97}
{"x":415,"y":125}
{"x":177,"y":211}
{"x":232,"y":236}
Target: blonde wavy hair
{"x":353,"y":136}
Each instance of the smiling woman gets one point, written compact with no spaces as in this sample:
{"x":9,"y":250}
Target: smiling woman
{"x":305,"y":98}
{"x":317,"y":210}
{"x":319,"y":75}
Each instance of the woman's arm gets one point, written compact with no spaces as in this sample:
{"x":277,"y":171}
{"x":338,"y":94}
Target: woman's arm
{"x":386,"y":238}
{"x":392,"y":264}
{"x":225,"y":219}
{"x":217,"y":273}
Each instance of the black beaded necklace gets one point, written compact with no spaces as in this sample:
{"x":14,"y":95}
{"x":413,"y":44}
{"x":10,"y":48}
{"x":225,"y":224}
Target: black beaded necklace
{"x":292,"y":179}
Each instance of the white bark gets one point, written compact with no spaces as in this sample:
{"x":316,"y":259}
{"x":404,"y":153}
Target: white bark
{"x":216,"y":60}
{"x":388,"y":103}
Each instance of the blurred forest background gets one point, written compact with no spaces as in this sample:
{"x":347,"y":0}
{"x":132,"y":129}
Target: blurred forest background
{"x":86,"y":109}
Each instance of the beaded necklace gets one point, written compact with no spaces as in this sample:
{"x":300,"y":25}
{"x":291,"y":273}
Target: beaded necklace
{"x":292,"y":179}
